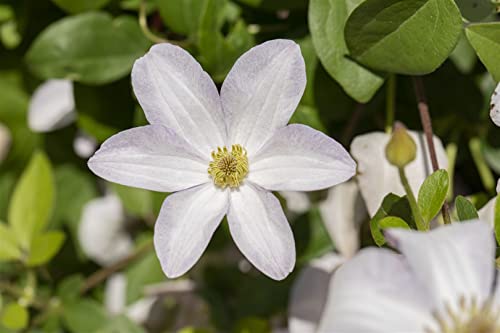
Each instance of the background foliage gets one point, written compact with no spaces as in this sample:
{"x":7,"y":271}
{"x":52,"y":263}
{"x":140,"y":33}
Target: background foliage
{"x":359,"y":55}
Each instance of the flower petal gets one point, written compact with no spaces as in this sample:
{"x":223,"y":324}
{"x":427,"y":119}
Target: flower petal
{"x":262,"y":91}
{"x":151,"y":157}
{"x":454,"y":260}
{"x":487,"y":212}
{"x":309,"y":294}
{"x":261,"y":231}
{"x":52,"y":106}
{"x":376,"y":177}
{"x":371,"y":294}
{"x":495,"y":106}
{"x":185,"y":225}
{"x":101,"y":231}
{"x":343,"y":212}
{"x":299,"y":158}
{"x":174,"y":91}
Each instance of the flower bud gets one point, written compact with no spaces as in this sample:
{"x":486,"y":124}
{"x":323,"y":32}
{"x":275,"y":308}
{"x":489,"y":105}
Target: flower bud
{"x":401,"y":149}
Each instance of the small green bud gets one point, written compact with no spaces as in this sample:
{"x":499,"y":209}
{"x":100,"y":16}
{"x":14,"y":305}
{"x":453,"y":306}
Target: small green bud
{"x":401,"y":149}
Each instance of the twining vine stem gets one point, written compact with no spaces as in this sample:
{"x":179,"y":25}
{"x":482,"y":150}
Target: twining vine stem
{"x":425,"y":119}
{"x":101,"y":275}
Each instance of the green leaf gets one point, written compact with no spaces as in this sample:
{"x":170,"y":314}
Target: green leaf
{"x":465,"y":209}
{"x":14,"y":316}
{"x":44,"y":247}
{"x":182,"y":16}
{"x":252,"y":325}
{"x":137,"y":202}
{"x":145,"y":271}
{"x":393,"y":222}
{"x":463,"y":56}
{"x":32,"y":201}
{"x":218,"y":52}
{"x":485,"y":39}
{"x":475,"y":10}
{"x":432,"y":194}
{"x":69,"y":289}
{"x":92,"y":48}
{"x":121,"y":324}
{"x":497,"y":220}
{"x":78,"y":6}
{"x":403,"y":36}
{"x":392,"y":206}
{"x":319,"y":241}
{"x":8,"y":249}
{"x":327,"y":19}
{"x":84,"y":316}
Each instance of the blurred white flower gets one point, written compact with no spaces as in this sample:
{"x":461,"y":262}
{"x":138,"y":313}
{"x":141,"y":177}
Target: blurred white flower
{"x":84,"y":145}
{"x":240,"y":136}
{"x":442,"y":282}
{"x":487,"y":212}
{"x":296,"y":202}
{"x":101,"y":232}
{"x":115,"y":295}
{"x":52,"y":106}
{"x":377,"y":178}
{"x":495,"y":106}
{"x":5,"y":140}
{"x":342,"y":212}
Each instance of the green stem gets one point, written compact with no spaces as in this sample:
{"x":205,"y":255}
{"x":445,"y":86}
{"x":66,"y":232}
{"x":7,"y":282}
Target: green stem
{"x":143,"y":22}
{"x":390,"y":103}
{"x":451,"y":153}
{"x":482,"y":167}
{"x":419,"y":220}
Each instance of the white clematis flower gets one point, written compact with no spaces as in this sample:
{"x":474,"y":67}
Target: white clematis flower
{"x":240,"y":137}
{"x":377,"y":177}
{"x":101,"y":231}
{"x":52,"y":106}
{"x":442,"y":282}
{"x":495,"y":106}
{"x":343,"y":212}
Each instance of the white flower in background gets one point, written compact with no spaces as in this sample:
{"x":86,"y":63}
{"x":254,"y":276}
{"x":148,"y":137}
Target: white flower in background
{"x":442,"y":282}
{"x":101,"y":231}
{"x":115,"y":295}
{"x":495,"y":106}
{"x":343,"y":212}
{"x":487,"y":212}
{"x":5,"y":140}
{"x":52,"y":106}
{"x":240,"y":137}
{"x":296,"y":202}
{"x":84,"y":145}
{"x":377,"y":178}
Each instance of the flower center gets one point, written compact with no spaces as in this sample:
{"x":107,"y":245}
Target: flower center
{"x":228,"y":168}
{"x":469,"y":317}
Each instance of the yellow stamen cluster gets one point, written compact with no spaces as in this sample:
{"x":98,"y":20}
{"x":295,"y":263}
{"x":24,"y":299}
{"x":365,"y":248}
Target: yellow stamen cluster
{"x":229,"y":168}
{"x":470,"y":317}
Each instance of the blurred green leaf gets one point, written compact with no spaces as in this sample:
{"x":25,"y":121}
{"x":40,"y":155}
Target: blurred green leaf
{"x":394,"y":35}
{"x":327,"y":19}
{"x":137,"y":202}
{"x":465,"y":209}
{"x":182,"y":16}
{"x":393,"y":222}
{"x":9,"y":249}
{"x":120,"y":324}
{"x":32,"y":201}
{"x":44,"y":247}
{"x":388,"y":202}
{"x":69,"y":289}
{"x":9,"y":34}
{"x":14,"y":316}
{"x":432,"y":194}
{"x":92,"y":48}
{"x":218,"y":52}
{"x":78,"y":6}
{"x":143,"y":272}
{"x":319,"y":241}
{"x":463,"y":56}
{"x":84,"y":316}
{"x":485,"y":39}
{"x":252,"y":325}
